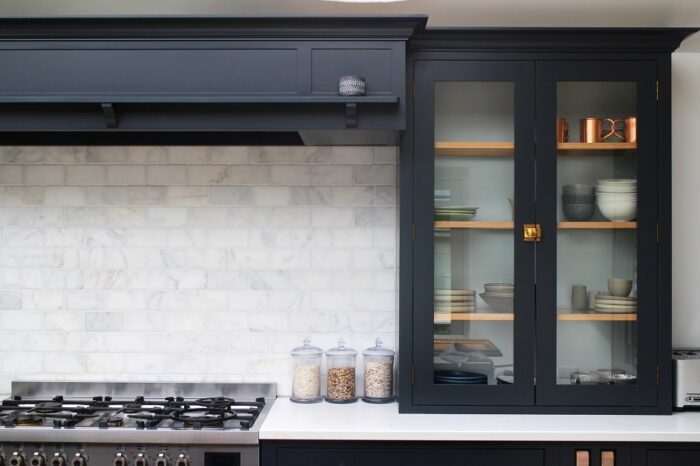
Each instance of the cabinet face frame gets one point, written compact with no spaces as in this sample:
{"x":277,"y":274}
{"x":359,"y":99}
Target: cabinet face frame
{"x":661,"y":345}
{"x":521,"y":75}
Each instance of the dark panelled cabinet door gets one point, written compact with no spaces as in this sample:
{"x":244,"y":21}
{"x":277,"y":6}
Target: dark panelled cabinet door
{"x":597,"y":264}
{"x":473,"y":303}
{"x":407,"y":456}
{"x":672,"y":458}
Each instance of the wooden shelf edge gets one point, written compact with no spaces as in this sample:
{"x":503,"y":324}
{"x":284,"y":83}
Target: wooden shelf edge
{"x":597,"y":317}
{"x":597,"y":225}
{"x":580,"y":147}
{"x":475,"y":225}
{"x":484,"y":316}
{"x":473,"y":149}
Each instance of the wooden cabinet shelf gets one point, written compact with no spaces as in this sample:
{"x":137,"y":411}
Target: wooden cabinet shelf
{"x":596,"y":148}
{"x":598,"y":317}
{"x":485,"y":316}
{"x":474,"y":149}
{"x":597,"y":225}
{"x":475,"y":225}
{"x":488,"y":225}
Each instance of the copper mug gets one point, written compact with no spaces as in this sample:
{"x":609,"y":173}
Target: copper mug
{"x":630,"y":129}
{"x":591,"y":129}
{"x":563,"y":130}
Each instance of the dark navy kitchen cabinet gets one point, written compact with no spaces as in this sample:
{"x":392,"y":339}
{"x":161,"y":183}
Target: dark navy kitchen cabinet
{"x":535,"y":222}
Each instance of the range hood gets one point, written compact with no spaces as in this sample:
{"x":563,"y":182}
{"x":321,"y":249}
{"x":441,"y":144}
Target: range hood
{"x":267,"y":79}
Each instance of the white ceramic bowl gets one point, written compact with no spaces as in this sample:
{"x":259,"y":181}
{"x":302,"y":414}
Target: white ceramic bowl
{"x":622,"y":211}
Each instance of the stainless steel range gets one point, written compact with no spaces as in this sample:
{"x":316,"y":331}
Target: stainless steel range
{"x":133,"y":424}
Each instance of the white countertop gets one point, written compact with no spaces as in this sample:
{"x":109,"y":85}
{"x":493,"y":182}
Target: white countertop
{"x":363,"y":421}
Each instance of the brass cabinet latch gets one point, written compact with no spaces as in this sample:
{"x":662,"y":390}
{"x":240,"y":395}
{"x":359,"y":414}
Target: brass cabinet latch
{"x":532,"y":232}
{"x":583,"y":458}
{"x":607,"y":458}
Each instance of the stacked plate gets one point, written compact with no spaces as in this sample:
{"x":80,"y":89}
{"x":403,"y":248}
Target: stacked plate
{"x":617,"y":199}
{"x":459,"y":377}
{"x":499,"y":296}
{"x":455,"y":213}
{"x":455,"y":300}
{"x":615,"y":304}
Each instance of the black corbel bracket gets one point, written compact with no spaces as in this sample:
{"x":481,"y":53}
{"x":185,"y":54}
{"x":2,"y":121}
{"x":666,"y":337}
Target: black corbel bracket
{"x":110,"y":115}
{"x":351,"y":115}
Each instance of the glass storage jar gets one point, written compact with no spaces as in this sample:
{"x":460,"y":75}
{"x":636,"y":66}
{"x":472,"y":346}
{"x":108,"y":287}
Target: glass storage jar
{"x":379,"y":373}
{"x":306,"y":373}
{"x":341,"y":374}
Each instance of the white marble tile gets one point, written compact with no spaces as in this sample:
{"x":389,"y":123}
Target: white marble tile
{"x":311,"y":195}
{"x":146,"y":195}
{"x":269,"y":154}
{"x":167,"y":216}
{"x":104,"y":321}
{"x":311,"y":154}
{"x":85,"y":216}
{"x":21,"y":154}
{"x":374,"y":259}
{"x":65,"y":154}
{"x":39,"y":300}
{"x":248,"y":259}
{"x":332,"y":217}
{"x":331,"y":175}
{"x":353,"y":155}
{"x":22,"y":237}
{"x":290,"y":174}
{"x":271,"y":196}
{"x":166,"y":175}
{"x":85,"y":175}
{"x":11,"y":300}
{"x":375,"y":175}
{"x":227,"y":280}
{"x":125,"y":175}
{"x":187,"y":196}
{"x":228,"y":155}
{"x":270,"y":280}
{"x":24,"y":195}
{"x":106,"y":154}
{"x":188,"y":154}
{"x":353,"y":195}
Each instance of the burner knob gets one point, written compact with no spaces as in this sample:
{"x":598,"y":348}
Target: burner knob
{"x":141,"y":460}
{"x":79,"y":460}
{"x":37,"y":459}
{"x":120,"y":459}
{"x":162,"y":460}
{"x":17,"y":459}
{"x":58,"y":459}
{"x":182,"y":460}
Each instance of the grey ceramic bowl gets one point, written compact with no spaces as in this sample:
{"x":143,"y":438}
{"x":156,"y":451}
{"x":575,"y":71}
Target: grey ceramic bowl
{"x":578,"y":212}
{"x":578,"y":189}
{"x":619,"y":286}
{"x":578,"y":198}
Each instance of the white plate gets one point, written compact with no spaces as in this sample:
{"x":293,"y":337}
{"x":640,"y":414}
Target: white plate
{"x":455,"y":292}
{"x":617,"y":181}
{"x":611,"y":308}
{"x":498,"y":294}
{"x":453,"y":298}
{"x":615,"y":311}
{"x":618,"y":299}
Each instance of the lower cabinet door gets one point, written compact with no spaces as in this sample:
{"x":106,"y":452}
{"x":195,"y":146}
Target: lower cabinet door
{"x":367,"y":455}
{"x":672,"y":458}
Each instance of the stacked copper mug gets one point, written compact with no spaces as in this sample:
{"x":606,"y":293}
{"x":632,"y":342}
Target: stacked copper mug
{"x":592,"y":130}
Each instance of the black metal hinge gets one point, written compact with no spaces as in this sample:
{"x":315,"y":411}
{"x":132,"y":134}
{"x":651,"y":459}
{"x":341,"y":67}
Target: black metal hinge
{"x":657,"y":90}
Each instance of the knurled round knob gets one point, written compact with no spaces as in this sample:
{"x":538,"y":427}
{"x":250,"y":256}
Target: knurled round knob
{"x":17,"y":460}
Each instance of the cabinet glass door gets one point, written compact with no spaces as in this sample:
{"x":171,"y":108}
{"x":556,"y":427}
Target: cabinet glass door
{"x":597,"y":260}
{"x":473,"y":282}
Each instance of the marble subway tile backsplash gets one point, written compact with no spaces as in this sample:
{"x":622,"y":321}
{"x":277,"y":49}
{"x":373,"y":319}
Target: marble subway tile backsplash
{"x":191,"y":263}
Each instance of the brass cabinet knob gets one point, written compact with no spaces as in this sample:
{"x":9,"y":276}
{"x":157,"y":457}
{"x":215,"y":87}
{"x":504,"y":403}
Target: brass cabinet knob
{"x":583,"y":458}
{"x":532,"y":232}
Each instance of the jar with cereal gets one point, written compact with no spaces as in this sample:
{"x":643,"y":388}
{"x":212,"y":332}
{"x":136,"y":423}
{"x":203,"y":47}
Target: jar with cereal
{"x":306,"y":373}
{"x":341,"y":374}
{"x":379,"y":374}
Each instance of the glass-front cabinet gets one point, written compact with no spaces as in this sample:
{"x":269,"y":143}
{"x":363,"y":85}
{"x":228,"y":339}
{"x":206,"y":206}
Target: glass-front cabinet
{"x":535,"y":269}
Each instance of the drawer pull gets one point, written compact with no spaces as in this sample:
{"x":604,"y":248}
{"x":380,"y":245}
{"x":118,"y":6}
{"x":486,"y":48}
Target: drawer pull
{"x":583,"y":458}
{"x":607,"y":458}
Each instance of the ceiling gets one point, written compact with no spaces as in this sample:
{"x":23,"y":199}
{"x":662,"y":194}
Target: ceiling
{"x":456,"y":13}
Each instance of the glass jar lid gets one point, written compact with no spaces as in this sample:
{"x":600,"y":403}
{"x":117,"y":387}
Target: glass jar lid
{"x":306,"y":349}
{"x":341,"y":350}
{"x":378,"y":350}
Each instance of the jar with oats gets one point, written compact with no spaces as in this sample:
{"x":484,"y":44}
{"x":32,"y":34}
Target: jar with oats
{"x":379,"y":374}
{"x":306,"y":373}
{"x":341,"y":374}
